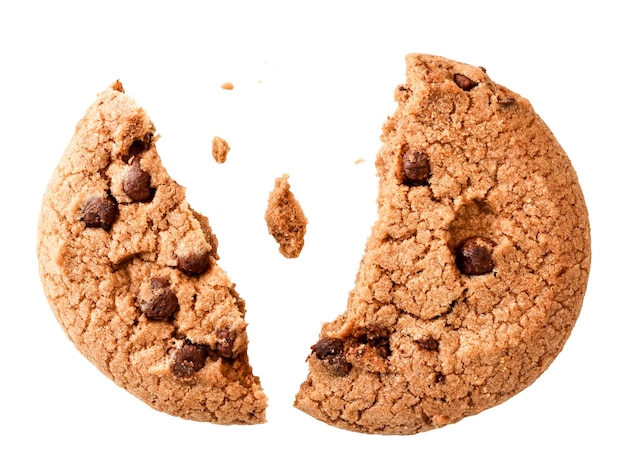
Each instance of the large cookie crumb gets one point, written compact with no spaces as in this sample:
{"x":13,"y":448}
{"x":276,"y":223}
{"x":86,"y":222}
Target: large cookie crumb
{"x":219,"y":149}
{"x":285,"y":219}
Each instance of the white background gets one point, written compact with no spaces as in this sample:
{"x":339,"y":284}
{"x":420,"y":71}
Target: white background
{"x":313,"y":83}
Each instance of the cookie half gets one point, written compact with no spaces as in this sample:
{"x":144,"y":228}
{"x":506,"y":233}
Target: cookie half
{"x":475,"y":271}
{"x":131,"y":273}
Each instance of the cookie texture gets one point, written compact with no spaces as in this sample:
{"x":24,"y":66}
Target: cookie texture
{"x":475,"y":271}
{"x":131,"y":274}
{"x":219,"y":149}
{"x":285,"y":219}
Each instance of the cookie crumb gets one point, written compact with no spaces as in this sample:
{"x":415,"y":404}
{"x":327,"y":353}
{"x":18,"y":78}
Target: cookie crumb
{"x":285,"y":219}
{"x":359,"y":161}
{"x":220,"y":149}
{"x":228,"y":86}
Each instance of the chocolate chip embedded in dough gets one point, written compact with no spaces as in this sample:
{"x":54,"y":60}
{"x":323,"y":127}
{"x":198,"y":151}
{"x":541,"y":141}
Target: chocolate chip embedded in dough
{"x":158,"y":282}
{"x":189,"y":359}
{"x":163,"y":304}
{"x":377,"y":337}
{"x":464,"y":82}
{"x":194,"y":263}
{"x":136,"y":184}
{"x":473,"y":256}
{"x":415,"y":168}
{"x":137,"y":148}
{"x":326,"y":347}
{"x":100,"y":212}
{"x":330,"y":352}
{"x":429,"y":344}
{"x":226,"y":340}
{"x":506,"y":101}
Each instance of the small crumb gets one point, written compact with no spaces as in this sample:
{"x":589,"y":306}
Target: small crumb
{"x":359,"y":161}
{"x":228,"y":86}
{"x":285,"y":219}
{"x":220,"y":149}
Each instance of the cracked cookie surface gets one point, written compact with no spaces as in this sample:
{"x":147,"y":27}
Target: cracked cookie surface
{"x":131,"y":274}
{"x":475,"y":271}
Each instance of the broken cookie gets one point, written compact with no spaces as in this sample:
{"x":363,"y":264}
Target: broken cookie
{"x":131,"y":274}
{"x":475,"y":271}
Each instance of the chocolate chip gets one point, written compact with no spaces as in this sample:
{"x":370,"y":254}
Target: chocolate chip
{"x":463,"y":82}
{"x":158,"y":282}
{"x":326,"y":347}
{"x":226,"y":339}
{"x":473,"y":256}
{"x":137,"y":184}
{"x":415,"y":168}
{"x":506,"y":101}
{"x":375,"y":336}
{"x":330,"y":352}
{"x":100,"y":212}
{"x":137,"y":148}
{"x":371,"y":333}
{"x":164,"y":302}
{"x":194,"y":263}
{"x":429,"y":344}
{"x":189,"y":359}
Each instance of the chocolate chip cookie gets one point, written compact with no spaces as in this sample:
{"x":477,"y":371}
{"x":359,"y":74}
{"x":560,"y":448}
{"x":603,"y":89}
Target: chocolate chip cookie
{"x":475,"y":271}
{"x":131,"y":273}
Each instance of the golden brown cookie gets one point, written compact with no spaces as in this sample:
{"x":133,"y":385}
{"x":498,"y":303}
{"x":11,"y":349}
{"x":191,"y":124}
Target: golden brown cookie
{"x":285,"y":219}
{"x":131,"y":274}
{"x":475,"y":271}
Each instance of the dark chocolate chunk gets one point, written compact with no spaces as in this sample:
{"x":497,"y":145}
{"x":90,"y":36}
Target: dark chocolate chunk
{"x":137,"y":148}
{"x":194,"y":263}
{"x":371,"y":333}
{"x":330,"y":352}
{"x":429,"y":344}
{"x":377,"y":337}
{"x":415,"y":168}
{"x":473,"y":256}
{"x":136,"y":184}
{"x":326,"y":347}
{"x":163,"y":304}
{"x":189,"y":359}
{"x":100,"y":212}
{"x":463,"y":82}
{"x":158,"y":282}
{"x":226,"y":339}
{"x":506,"y":101}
